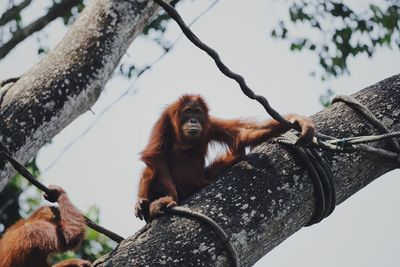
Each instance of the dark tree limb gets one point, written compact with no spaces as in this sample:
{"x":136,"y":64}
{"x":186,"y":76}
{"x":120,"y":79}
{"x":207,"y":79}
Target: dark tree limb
{"x":11,"y":13}
{"x":56,"y":11}
{"x":267,"y":197}
{"x":69,"y":80}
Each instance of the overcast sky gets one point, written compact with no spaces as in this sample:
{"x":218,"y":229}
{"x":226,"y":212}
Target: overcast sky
{"x":103,"y":166}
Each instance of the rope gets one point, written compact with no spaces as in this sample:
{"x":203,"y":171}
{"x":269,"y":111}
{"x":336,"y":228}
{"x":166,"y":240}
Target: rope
{"x":4,"y":89}
{"x":342,"y":147}
{"x":365,"y":139}
{"x":25,"y":173}
{"x":359,"y":143}
{"x":130,"y":90}
{"x":364,"y":111}
{"x":222,"y":67}
{"x":10,"y":80}
{"x":213,"y":225}
{"x":318,"y":169}
{"x":320,"y":174}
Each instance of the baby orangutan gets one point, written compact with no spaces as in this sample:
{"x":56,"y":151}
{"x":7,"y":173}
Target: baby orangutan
{"x":29,"y":242}
{"x":175,"y":155}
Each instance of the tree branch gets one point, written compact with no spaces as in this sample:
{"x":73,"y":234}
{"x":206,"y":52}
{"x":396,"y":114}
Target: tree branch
{"x":56,"y":11}
{"x":69,"y":80}
{"x":11,"y":13}
{"x":267,"y":197}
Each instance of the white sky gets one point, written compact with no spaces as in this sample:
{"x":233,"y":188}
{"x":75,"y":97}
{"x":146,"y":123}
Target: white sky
{"x":102,"y":168}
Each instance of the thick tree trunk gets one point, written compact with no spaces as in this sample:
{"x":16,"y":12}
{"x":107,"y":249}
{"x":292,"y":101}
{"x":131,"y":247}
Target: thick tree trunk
{"x":267,"y":197}
{"x":69,"y":80}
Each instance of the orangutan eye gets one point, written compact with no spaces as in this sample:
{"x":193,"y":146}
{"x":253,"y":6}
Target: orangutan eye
{"x":198,"y":111}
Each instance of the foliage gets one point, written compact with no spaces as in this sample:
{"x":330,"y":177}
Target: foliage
{"x":159,"y":23}
{"x":11,"y":208}
{"x":326,"y":98}
{"x":94,"y":245}
{"x":346,"y":31}
{"x":19,"y":199}
{"x":71,"y":15}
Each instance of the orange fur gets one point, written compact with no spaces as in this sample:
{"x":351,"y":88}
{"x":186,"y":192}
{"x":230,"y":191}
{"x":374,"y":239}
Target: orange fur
{"x":175,"y":163}
{"x":28,"y":242}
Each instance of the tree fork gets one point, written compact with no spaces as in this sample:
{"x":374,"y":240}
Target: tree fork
{"x":68,"y":81}
{"x":268,"y":196}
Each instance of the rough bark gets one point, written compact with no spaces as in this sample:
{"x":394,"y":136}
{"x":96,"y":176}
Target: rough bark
{"x":267,"y":197}
{"x":69,"y":80}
